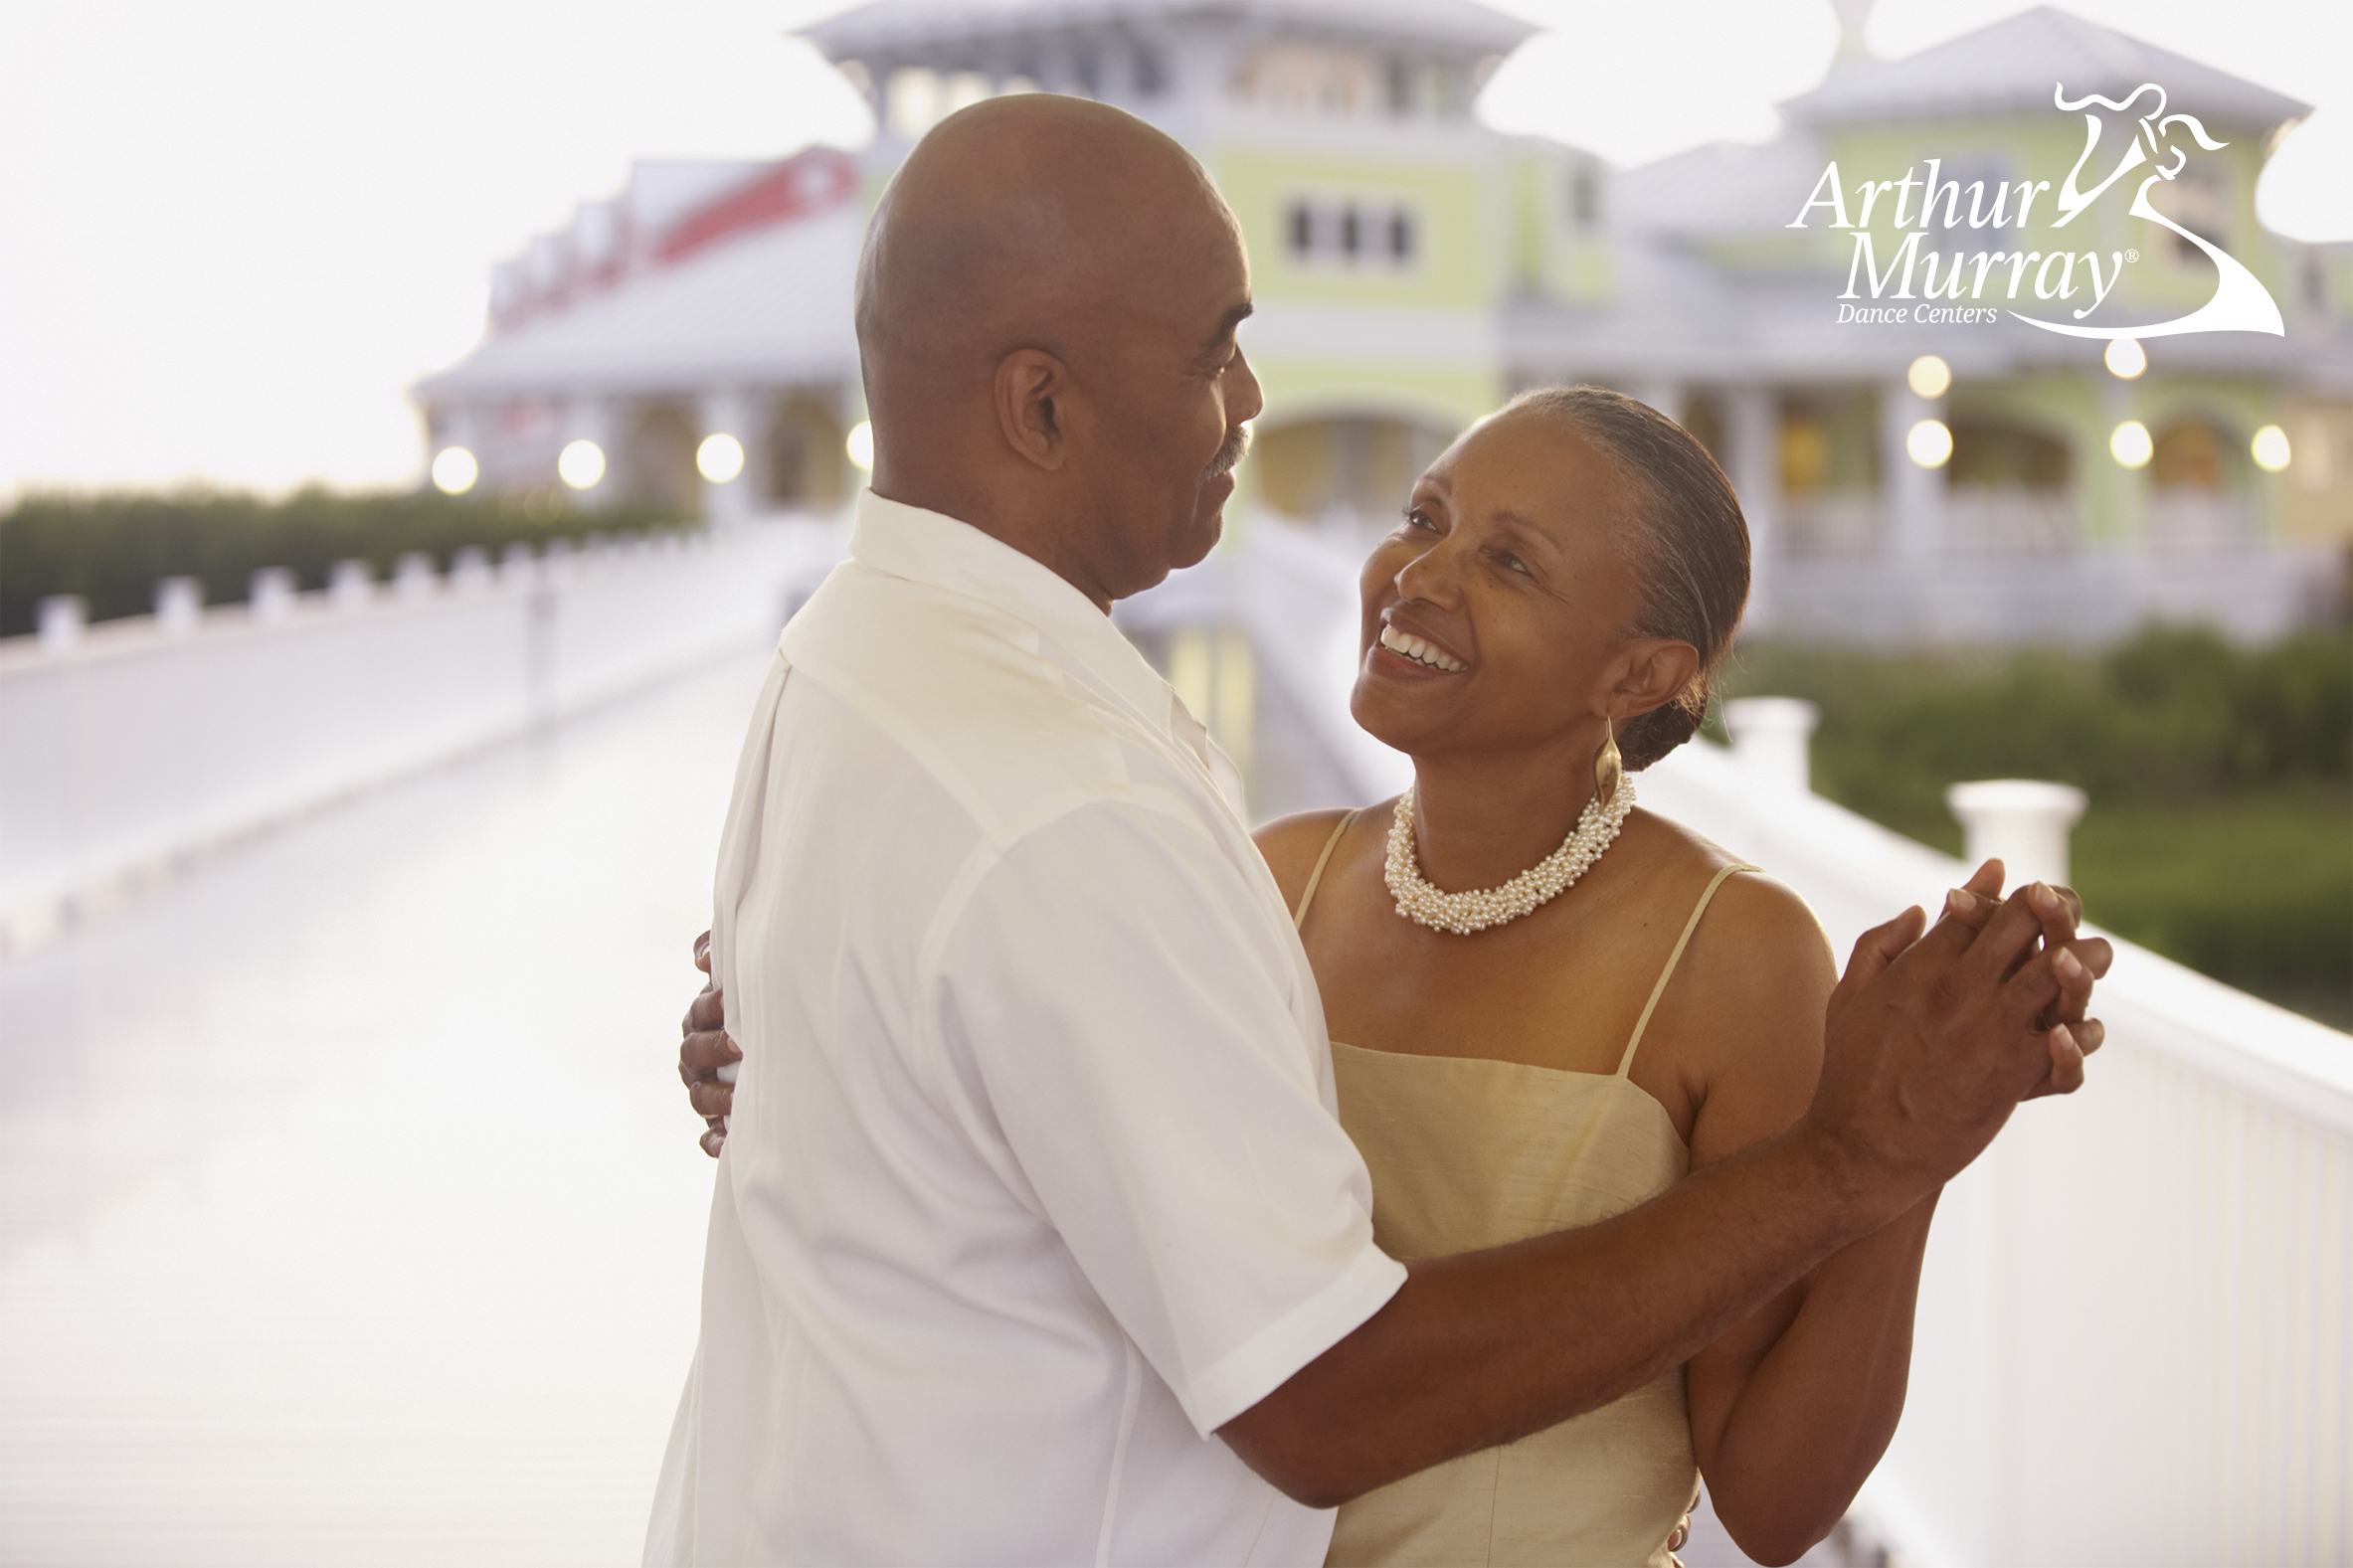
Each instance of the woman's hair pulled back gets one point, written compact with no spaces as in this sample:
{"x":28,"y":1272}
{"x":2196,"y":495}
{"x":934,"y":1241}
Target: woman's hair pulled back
{"x":1692,"y":549}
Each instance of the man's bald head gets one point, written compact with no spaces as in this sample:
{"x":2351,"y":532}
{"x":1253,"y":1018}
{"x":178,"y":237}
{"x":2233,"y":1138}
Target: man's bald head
{"x":1011,"y":219}
{"x":1045,"y":312}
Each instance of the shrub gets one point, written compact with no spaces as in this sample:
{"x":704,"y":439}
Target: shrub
{"x":112,"y":549}
{"x":2221,"y":777}
{"x":2173,"y":714}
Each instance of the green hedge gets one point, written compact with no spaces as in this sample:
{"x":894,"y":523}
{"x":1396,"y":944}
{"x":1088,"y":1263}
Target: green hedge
{"x":112,"y":549}
{"x":2221,"y":777}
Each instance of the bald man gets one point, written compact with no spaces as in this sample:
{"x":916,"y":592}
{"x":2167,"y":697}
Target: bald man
{"x":1035,"y":1238}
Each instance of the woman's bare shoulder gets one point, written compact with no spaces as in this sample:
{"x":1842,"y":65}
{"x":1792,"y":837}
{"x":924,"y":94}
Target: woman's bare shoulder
{"x":1292,"y":846}
{"x":1764,"y":974}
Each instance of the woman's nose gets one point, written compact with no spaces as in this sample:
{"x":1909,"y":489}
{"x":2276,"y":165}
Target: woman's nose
{"x":1431,"y":576}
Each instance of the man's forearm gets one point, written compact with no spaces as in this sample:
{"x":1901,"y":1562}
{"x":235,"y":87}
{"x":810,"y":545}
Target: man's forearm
{"x":1488,"y":1347}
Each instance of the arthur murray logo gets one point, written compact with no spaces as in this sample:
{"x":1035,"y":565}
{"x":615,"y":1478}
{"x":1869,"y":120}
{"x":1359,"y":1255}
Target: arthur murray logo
{"x":2240,"y":303}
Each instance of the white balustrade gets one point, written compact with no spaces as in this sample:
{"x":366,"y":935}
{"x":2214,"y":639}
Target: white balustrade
{"x":128,"y":748}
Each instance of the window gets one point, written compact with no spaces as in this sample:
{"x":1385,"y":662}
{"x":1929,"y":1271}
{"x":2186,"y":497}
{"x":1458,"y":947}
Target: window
{"x":1584,"y":196}
{"x":1397,"y":81}
{"x":2199,"y":200}
{"x":1151,"y":72}
{"x":1351,"y":232}
{"x":1401,"y":236}
{"x":1299,"y":223}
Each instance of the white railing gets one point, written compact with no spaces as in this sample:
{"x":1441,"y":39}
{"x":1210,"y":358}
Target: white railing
{"x":130,"y":746}
{"x":2135,"y":1331}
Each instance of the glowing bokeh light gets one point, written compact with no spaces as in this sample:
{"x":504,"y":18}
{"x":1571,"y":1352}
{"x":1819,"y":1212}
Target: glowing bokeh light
{"x":2125,"y":358}
{"x":720,"y":458}
{"x":2130,"y":442}
{"x":455,"y":470}
{"x":581,"y":465}
{"x":2271,"y":449}
{"x":1929,"y":443}
{"x":860,"y":444}
{"x":1931,"y":377}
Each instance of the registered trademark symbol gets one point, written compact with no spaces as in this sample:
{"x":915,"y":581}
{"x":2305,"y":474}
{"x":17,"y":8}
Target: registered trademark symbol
{"x":2132,"y":255}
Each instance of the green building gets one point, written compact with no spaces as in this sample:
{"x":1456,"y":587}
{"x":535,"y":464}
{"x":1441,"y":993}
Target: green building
{"x":1413,"y":268}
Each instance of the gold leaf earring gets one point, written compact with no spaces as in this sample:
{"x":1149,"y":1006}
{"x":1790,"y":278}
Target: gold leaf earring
{"x":1609,"y":768}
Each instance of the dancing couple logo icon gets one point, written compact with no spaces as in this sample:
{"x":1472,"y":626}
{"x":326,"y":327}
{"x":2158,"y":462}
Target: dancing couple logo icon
{"x":2154,"y":140}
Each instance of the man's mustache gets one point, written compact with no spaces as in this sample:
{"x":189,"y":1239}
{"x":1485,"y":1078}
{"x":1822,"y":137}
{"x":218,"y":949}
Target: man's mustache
{"x":1229,"y":453}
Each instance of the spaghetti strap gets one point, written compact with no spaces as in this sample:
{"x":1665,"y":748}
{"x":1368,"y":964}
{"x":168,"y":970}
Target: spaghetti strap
{"x":1315,"y":878}
{"x":1626,"y":1062}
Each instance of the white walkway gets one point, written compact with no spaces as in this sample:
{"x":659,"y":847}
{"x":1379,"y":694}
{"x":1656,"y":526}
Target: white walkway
{"x":350,"y":1212}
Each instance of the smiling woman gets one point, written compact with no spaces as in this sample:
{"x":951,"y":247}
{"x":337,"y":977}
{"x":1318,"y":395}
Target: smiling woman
{"x":1554,"y":1007}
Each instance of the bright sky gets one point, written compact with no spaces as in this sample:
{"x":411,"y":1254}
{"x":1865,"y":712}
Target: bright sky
{"x":232,"y":235}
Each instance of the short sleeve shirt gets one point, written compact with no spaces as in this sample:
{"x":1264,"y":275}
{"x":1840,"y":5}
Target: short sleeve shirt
{"x":1032,"y":1179}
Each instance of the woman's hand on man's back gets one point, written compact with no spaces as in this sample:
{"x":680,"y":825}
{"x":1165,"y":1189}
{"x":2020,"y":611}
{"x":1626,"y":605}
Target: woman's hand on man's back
{"x":707,"y":1057}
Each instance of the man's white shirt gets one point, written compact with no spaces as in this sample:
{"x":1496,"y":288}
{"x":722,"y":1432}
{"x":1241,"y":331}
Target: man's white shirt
{"x":1032,"y":1179}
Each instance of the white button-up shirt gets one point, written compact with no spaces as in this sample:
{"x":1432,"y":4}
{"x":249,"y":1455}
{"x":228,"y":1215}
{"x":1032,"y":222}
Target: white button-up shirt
{"x":1033,"y":1178}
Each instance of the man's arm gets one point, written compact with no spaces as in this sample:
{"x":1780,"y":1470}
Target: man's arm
{"x":1931,"y":1045}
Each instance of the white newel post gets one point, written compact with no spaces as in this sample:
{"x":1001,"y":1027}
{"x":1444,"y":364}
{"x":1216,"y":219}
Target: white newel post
{"x":269,"y":596}
{"x":412,"y":577}
{"x":59,"y":618}
{"x":351,"y":585}
{"x":1771,"y":741}
{"x":2023,"y":822}
{"x":179,"y":606}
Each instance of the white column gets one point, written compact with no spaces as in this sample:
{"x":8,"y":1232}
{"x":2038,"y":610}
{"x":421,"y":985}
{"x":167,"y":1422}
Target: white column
{"x":462,"y":425}
{"x":729,"y":412}
{"x":596,"y":420}
{"x":1914,"y":496}
{"x":1664,"y":395}
{"x":1752,"y":440}
{"x":2023,"y":822}
{"x":1770,"y":741}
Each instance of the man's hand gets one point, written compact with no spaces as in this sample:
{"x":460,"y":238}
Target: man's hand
{"x":1933,"y":1039}
{"x":707,"y":1058}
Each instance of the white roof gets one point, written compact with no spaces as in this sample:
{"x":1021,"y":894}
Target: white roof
{"x":1721,"y":188}
{"x":766,"y":307}
{"x":922,"y":25}
{"x":2015,"y":64}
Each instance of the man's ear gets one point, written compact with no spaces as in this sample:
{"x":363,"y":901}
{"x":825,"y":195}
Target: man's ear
{"x":1029,"y":386}
{"x":1653,"y":671}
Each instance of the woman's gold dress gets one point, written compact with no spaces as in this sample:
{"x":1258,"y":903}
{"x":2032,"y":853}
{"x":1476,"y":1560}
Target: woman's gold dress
{"x":1468,"y":1153}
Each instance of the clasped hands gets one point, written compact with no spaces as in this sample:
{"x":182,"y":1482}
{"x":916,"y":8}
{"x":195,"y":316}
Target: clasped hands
{"x":2005,"y":975}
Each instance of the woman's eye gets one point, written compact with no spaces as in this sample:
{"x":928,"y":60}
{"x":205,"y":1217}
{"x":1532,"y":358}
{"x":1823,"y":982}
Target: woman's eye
{"x":1512,"y":563}
{"x":1417,"y":518}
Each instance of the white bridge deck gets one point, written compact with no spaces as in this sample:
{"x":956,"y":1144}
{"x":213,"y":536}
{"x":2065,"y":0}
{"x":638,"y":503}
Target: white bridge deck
{"x":348,"y":1212}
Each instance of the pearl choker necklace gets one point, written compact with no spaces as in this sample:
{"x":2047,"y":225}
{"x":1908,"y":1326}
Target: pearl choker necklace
{"x":1463,"y":913}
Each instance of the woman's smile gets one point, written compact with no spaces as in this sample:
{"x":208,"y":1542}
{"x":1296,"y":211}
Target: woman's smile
{"x":1423,"y":655}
